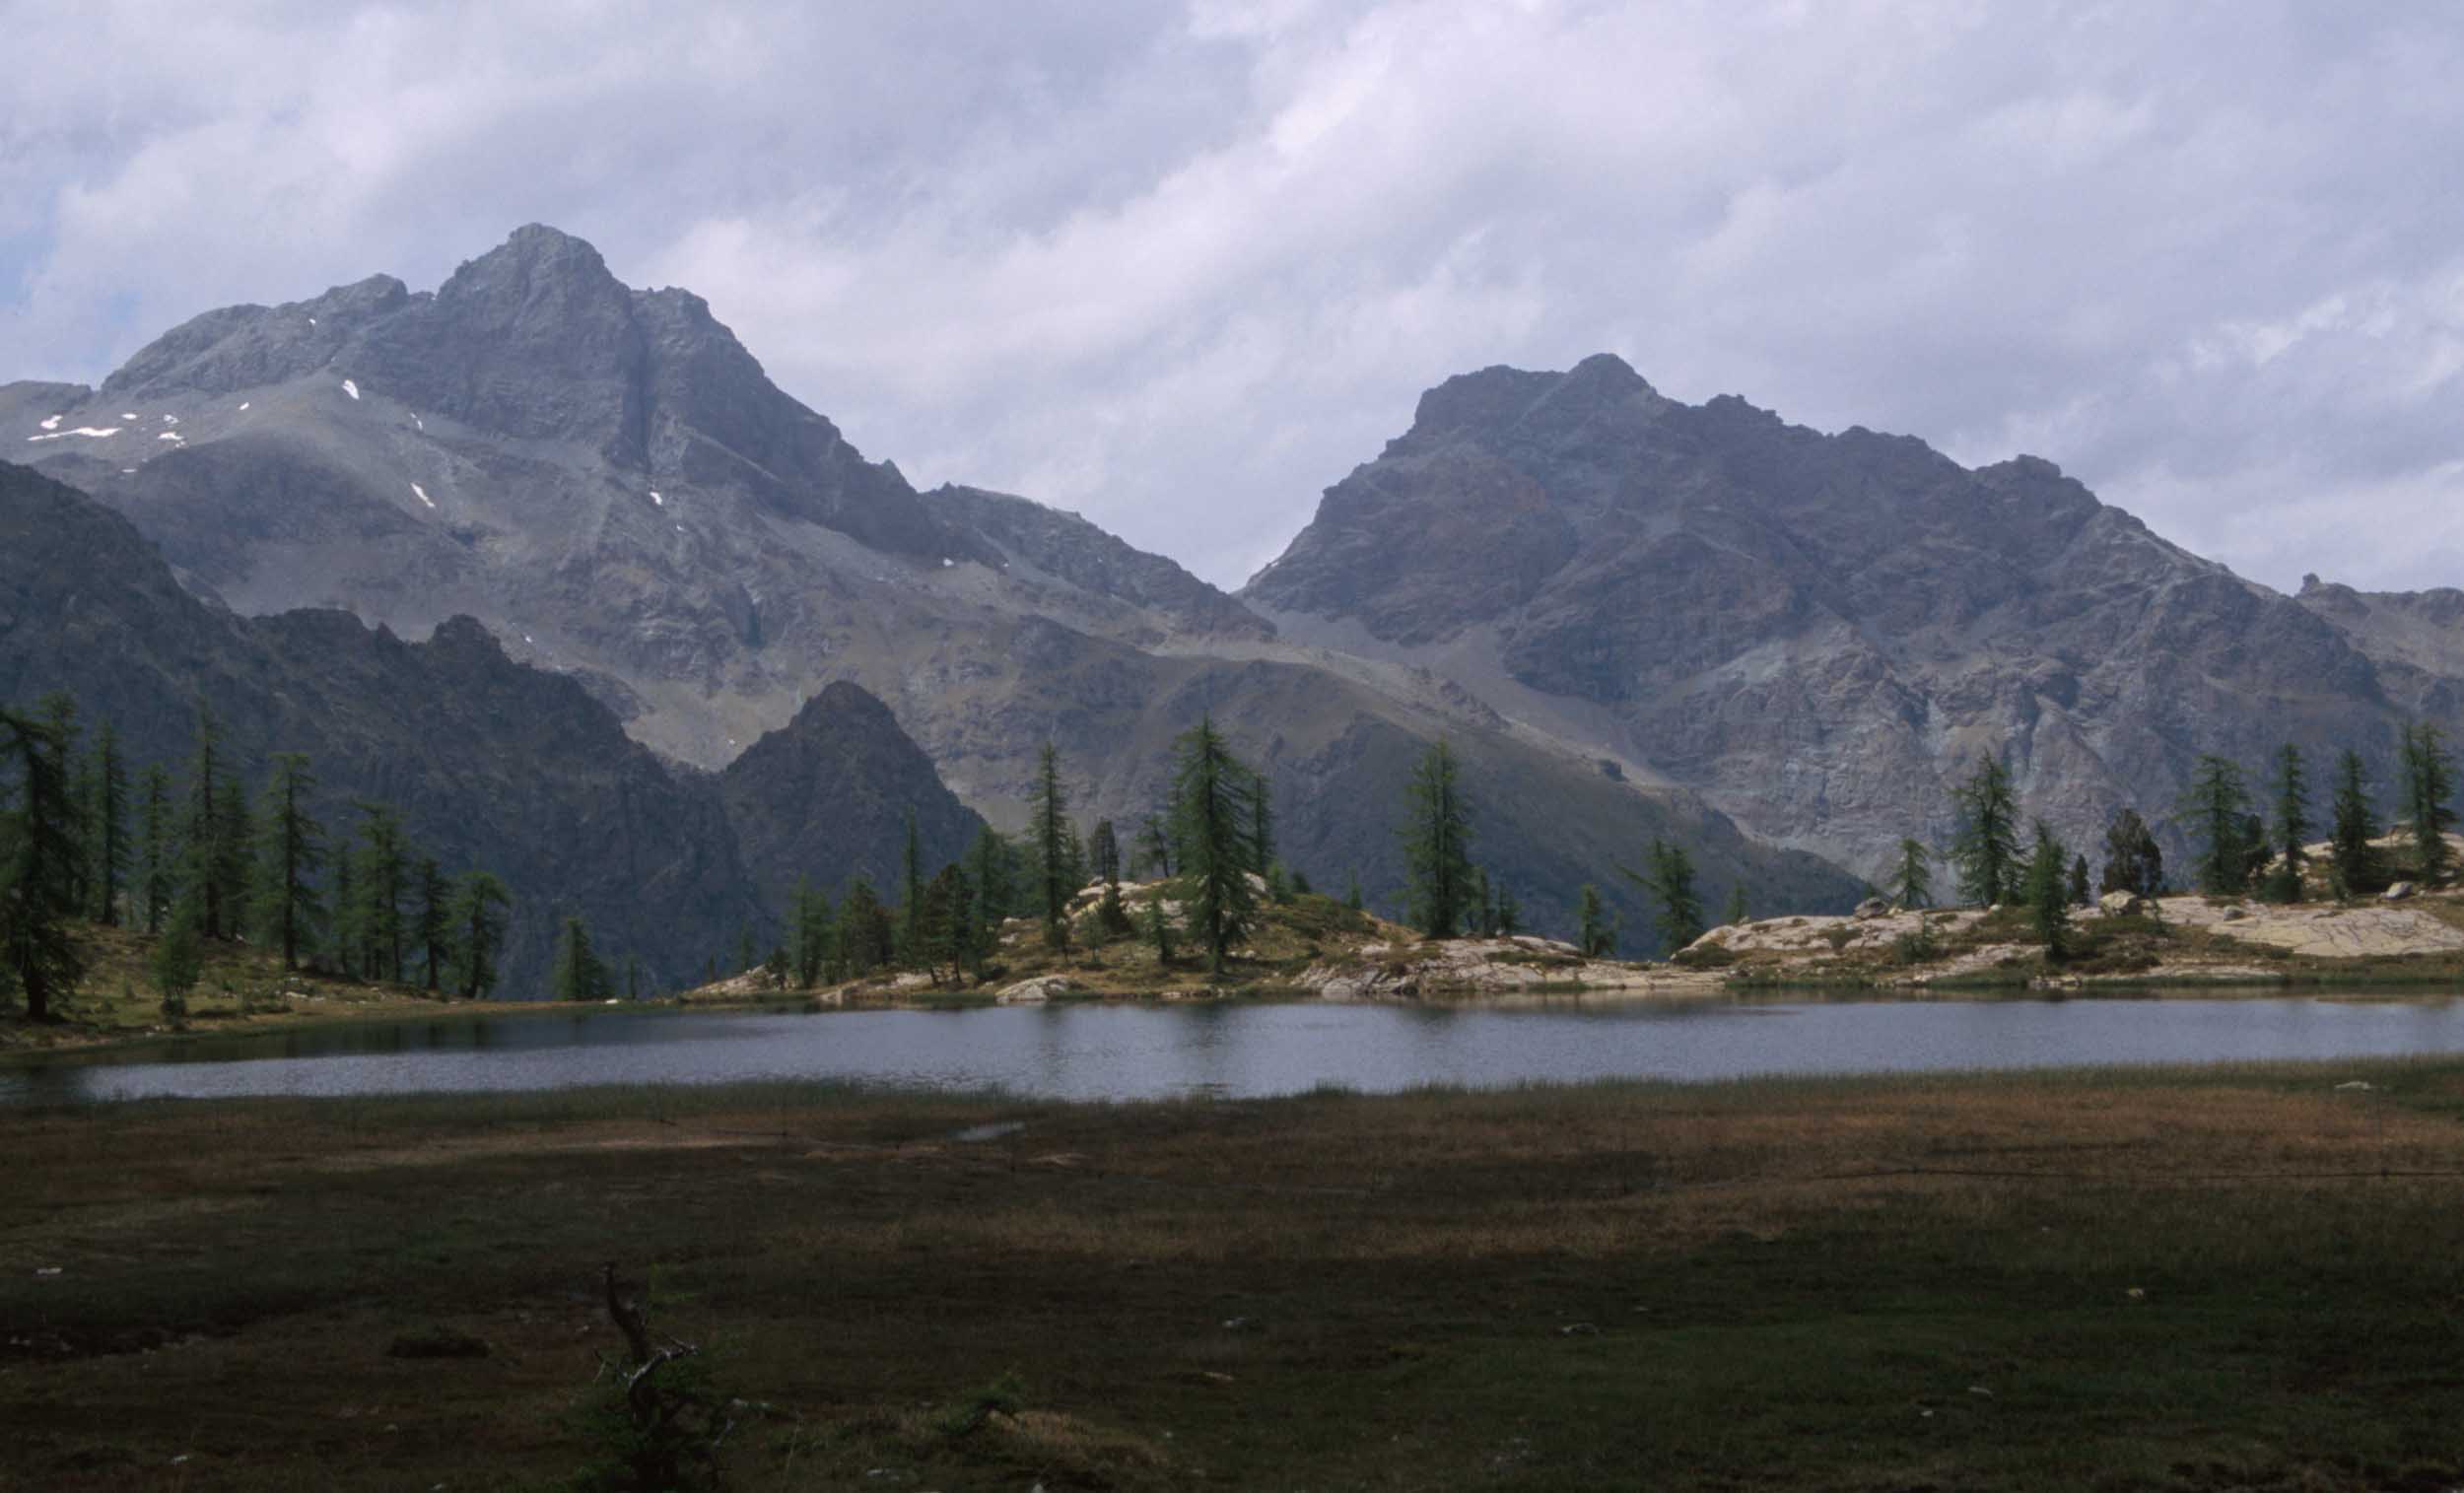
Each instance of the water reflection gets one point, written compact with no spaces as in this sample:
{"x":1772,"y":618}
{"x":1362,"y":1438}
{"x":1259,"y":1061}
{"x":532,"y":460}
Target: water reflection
{"x":1243,"y":1048}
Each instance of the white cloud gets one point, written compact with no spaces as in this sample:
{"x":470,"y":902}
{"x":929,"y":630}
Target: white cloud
{"x":1180,"y":270}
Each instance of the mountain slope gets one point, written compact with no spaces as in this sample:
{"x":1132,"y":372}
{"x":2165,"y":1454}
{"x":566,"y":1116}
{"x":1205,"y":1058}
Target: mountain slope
{"x":493,"y":765}
{"x":604,"y":479}
{"x":1821,"y":633}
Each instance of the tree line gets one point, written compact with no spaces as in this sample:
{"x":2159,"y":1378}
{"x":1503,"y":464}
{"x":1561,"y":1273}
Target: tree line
{"x":2243,"y":839}
{"x":189,"y":858}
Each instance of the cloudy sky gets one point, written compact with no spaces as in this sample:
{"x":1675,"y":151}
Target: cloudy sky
{"x":1180,"y":267}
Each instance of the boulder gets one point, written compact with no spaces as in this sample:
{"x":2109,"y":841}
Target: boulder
{"x":1873,"y":908}
{"x":1041,"y":988}
{"x":2121,"y":904}
{"x":2398,"y":892}
{"x":2233,"y":914}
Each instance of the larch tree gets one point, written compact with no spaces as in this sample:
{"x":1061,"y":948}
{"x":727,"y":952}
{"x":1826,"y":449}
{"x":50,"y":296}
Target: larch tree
{"x":480,"y":902}
{"x":1985,"y":847}
{"x":2429,"y":787}
{"x":1667,"y":874}
{"x":1052,"y":848}
{"x":38,"y":871}
{"x":1912,"y":880}
{"x":432,"y":926}
{"x":155,"y":854}
{"x":2215,"y":811}
{"x":2353,"y":826}
{"x":1436,"y":836}
{"x":110,"y":824}
{"x":290,"y":907}
{"x":1595,"y":933}
{"x":2133,"y":861}
{"x":2048,"y":901}
{"x":2292,"y":793}
{"x":1211,"y":818}
{"x":580,"y":973}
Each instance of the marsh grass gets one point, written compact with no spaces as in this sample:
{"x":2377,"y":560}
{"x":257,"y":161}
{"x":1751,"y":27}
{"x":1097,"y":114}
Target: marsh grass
{"x":2159,"y":1278}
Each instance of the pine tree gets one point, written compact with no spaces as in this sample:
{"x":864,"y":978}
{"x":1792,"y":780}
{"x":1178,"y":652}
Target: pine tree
{"x":989,"y":864}
{"x":2079,"y":881}
{"x":910,"y":898}
{"x":1103,"y":854}
{"x":579,"y":974}
{"x":863,"y":929}
{"x":2429,"y":783}
{"x":940,"y":929}
{"x":1049,"y":831}
{"x":1595,"y":934}
{"x":155,"y":854}
{"x":2292,"y":823}
{"x":1159,"y":932}
{"x":808,"y":934}
{"x":1155,"y":848}
{"x":382,"y":880}
{"x":1986,"y":846}
{"x":38,"y":874}
{"x":1668,"y":876}
{"x":349,"y":922}
{"x":2353,"y":827}
{"x":1734,"y":915}
{"x":633,"y":977}
{"x":2216,"y":810}
{"x":1211,"y":816}
{"x":1912,"y":884}
{"x":1351,"y":895}
{"x":202,"y":832}
{"x":432,"y":926}
{"x":1261,"y":823}
{"x":479,"y":903}
{"x":179,"y":961}
{"x":57,"y":712}
{"x":1510,"y":912}
{"x":1437,"y":845}
{"x":2047,"y":903}
{"x":2133,"y":861}
{"x":289,"y":907}
{"x":1483,"y":918}
{"x":110,"y":824}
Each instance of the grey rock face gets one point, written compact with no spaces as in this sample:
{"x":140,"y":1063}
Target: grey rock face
{"x":1819,"y":632}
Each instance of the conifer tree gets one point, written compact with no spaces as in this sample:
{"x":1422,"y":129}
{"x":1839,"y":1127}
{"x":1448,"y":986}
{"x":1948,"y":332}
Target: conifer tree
{"x":432,"y":926}
{"x":110,"y":824}
{"x":382,"y":881}
{"x":1734,"y":915}
{"x":988,"y":866}
{"x":1985,"y":847}
{"x":1483,"y":920}
{"x":1155,"y":848}
{"x":1103,"y":854}
{"x":863,"y":929}
{"x":1048,"y":832}
{"x":38,"y":872}
{"x":479,"y":910}
{"x":1668,"y":876}
{"x":632,"y":976}
{"x":2079,"y":881}
{"x":1261,"y":823}
{"x":580,"y":973}
{"x":2133,"y":861}
{"x":1437,"y":845}
{"x":1211,"y":818}
{"x":350,"y":921}
{"x":2216,"y":810}
{"x":2354,"y":826}
{"x":1351,"y":895}
{"x":289,"y":907}
{"x":2429,"y":783}
{"x":2292,"y":822}
{"x":911,"y":896}
{"x":1509,"y":911}
{"x":179,"y":960}
{"x":57,"y":711}
{"x":1595,"y":934}
{"x":2047,"y":903}
{"x":155,"y":852}
{"x":1912,"y":883}
{"x":1159,"y":932}
{"x":940,"y":929}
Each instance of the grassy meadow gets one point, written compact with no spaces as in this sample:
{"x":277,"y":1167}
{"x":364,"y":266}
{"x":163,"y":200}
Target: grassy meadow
{"x":2195,"y":1279}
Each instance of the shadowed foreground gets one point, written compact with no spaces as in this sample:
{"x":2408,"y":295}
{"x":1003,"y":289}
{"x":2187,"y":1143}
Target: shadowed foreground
{"x":2204,"y":1279}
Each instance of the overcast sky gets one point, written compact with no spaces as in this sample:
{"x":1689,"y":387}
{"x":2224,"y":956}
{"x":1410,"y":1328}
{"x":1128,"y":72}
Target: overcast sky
{"x":1180,"y":267}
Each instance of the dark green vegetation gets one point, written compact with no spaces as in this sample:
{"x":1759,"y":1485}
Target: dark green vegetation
{"x":2191,"y":1281}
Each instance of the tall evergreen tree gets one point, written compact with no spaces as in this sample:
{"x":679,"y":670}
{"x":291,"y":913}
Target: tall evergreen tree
{"x":479,"y":913}
{"x":1986,"y":846}
{"x":1103,"y":854}
{"x":38,"y":872}
{"x":2048,"y":903}
{"x":1912,"y":883}
{"x":349,"y":920}
{"x":1048,"y":832}
{"x":57,"y":712}
{"x":1735,"y":914}
{"x":156,"y":855}
{"x":863,"y":929}
{"x":1595,"y":933}
{"x":941,"y":930}
{"x":290,"y":909}
{"x":1211,"y":818}
{"x":1483,"y":920}
{"x":1261,"y":823}
{"x":910,"y":896}
{"x":1436,"y":834}
{"x":2077,"y":888}
{"x":2292,"y":793}
{"x":432,"y":926}
{"x":202,"y":830}
{"x":990,"y":862}
{"x":2353,"y":827}
{"x":2215,"y":811}
{"x":1667,"y":874}
{"x":1352,"y":898}
{"x":110,"y":824}
{"x":1510,"y":912}
{"x":2133,"y":861}
{"x":1155,"y":848}
{"x":2429,"y":787}
{"x":580,"y":973}
{"x":383,"y":880}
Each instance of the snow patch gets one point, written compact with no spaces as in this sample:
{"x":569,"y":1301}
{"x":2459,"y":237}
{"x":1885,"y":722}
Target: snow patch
{"x":170,"y":420}
{"x":311,"y":321}
{"x":97,"y":433}
{"x":51,"y":424}
{"x":679,"y":528}
{"x":421,"y":494}
{"x":947,"y":561}
{"x":171,"y":435}
{"x":128,"y":414}
{"x":422,"y":424}
{"x":244,"y":404}
{"x":656,"y":499}
{"x":128,"y":472}
{"x":350,"y":388}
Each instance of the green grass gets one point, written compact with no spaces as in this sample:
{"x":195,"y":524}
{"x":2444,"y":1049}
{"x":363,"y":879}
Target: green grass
{"x":1788,"y":1282}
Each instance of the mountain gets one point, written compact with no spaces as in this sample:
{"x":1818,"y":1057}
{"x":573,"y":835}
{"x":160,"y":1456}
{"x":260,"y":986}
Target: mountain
{"x":493,"y":765}
{"x":604,"y":479}
{"x":1821,"y":633}
{"x":827,"y":796}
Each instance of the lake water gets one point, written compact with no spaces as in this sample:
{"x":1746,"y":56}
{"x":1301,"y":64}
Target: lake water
{"x":1082,"y":1051}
